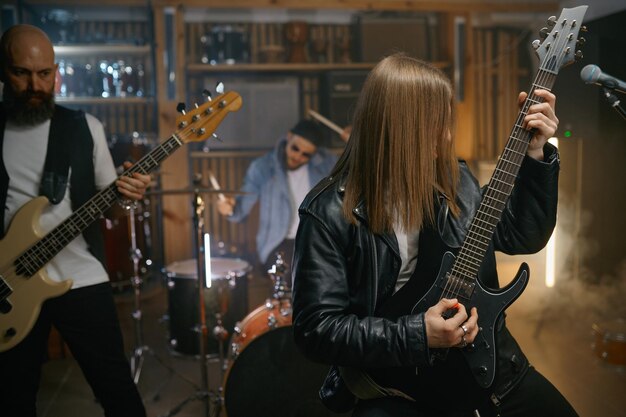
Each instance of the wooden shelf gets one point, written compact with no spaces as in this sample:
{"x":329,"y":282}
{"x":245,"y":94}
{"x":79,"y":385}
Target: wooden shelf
{"x":102,"y":100}
{"x":104,"y":49}
{"x":286,"y":67}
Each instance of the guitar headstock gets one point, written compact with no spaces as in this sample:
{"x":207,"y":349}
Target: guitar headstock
{"x":560,"y":40}
{"x":200,"y":123}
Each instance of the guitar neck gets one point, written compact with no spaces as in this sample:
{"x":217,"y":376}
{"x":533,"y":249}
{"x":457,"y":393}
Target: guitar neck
{"x":33,"y":259}
{"x":498,"y":190}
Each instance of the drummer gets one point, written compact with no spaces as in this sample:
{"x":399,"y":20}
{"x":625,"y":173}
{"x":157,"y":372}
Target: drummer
{"x":279,"y":180}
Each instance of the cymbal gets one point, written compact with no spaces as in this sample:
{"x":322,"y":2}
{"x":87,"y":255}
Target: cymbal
{"x":193,"y":191}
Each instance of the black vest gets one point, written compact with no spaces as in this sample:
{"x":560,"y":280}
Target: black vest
{"x":69,"y":143}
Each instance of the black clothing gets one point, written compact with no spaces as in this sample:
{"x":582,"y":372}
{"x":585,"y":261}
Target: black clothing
{"x":344,"y":275}
{"x":87,"y":320}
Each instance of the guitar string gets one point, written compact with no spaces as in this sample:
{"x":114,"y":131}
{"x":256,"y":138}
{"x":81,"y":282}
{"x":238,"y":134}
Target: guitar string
{"x":45,"y":248}
{"x":68,"y":230}
{"x":517,"y":160}
{"x":495,"y":186}
{"x":517,"y":150}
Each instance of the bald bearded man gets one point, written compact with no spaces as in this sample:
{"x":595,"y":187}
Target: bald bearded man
{"x":46,"y":149}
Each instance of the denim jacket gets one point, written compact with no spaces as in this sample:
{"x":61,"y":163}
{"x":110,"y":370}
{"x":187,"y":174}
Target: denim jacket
{"x":266,"y":180}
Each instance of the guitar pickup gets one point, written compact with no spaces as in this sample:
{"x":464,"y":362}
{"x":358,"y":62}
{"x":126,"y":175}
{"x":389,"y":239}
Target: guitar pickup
{"x":459,"y":286}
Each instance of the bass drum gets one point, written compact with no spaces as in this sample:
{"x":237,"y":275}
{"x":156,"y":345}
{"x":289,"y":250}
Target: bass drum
{"x":268,"y":376}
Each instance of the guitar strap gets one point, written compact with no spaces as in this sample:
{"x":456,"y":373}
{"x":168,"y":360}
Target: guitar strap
{"x":57,"y":166}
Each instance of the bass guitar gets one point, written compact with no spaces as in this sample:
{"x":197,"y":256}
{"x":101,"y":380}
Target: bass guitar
{"x":24,"y":251}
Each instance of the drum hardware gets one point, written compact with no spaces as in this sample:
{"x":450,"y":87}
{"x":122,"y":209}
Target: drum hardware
{"x":277,"y":273}
{"x":141,"y":348}
{"x":194,"y":191}
{"x":201,"y":394}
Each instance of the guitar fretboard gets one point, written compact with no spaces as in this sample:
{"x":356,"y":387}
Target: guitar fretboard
{"x":470,"y":257}
{"x":33,"y":259}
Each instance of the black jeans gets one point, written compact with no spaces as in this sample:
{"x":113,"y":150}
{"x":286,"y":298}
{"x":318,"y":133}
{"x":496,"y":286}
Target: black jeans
{"x":87,"y":320}
{"x":535,"y":396}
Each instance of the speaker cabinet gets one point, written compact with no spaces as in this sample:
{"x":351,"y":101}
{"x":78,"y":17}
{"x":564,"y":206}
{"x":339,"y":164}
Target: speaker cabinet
{"x":340,"y":90}
{"x":381,"y":34}
{"x":271,"y":106}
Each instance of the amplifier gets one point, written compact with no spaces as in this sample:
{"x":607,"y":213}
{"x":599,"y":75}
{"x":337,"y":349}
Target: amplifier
{"x":381,"y":34}
{"x":339,"y":92}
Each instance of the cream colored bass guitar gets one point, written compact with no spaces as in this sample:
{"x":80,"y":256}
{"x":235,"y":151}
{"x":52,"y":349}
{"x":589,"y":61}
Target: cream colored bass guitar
{"x":25,"y":250}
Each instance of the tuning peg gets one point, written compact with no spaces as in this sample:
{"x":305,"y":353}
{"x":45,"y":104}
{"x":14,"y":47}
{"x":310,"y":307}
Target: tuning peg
{"x":536,"y":44}
{"x":206,"y":147}
{"x":220,"y":87}
{"x":207,"y":94}
{"x":551,"y":21}
{"x":543,"y":33}
{"x":581,"y":41}
{"x":180,"y":107}
{"x":583,"y":28}
{"x":578,"y":55}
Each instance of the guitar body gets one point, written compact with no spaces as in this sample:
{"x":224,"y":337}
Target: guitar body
{"x":464,"y":374}
{"x":24,"y":304}
{"x":481,"y":355}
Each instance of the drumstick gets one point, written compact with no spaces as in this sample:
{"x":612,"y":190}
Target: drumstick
{"x":325,"y":121}
{"x":216,"y":185}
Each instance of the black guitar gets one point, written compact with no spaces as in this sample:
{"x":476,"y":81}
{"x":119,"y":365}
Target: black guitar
{"x":458,"y":275}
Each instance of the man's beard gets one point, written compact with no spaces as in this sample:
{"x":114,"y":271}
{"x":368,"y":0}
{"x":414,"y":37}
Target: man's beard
{"x":21,"y":111}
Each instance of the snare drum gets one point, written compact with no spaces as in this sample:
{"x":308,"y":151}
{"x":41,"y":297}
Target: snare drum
{"x":227,"y":296}
{"x":267,"y":374}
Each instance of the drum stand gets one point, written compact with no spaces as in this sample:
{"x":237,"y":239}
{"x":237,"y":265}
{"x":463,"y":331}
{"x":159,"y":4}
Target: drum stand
{"x":202,"y":393}
{"x":140,"y":349}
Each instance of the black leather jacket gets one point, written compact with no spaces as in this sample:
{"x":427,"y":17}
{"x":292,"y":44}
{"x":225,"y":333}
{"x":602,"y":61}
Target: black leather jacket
{"x":343,"y":274}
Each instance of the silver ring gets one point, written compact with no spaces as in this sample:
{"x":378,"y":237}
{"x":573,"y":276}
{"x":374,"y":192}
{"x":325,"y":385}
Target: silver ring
{"x":464,"y":329}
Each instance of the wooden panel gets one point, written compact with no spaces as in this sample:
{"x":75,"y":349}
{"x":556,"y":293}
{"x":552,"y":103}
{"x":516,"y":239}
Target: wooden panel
{"x":229,"y":169}
{"x":421,"y":5}
{"x":497,"y":75}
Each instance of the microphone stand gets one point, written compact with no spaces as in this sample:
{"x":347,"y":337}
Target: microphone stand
{"x":201,"y":329}
{"x":610,"y":96}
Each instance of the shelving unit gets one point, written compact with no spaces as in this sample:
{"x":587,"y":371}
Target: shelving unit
{"x":106,"y":68}
{"x":171,"y":32}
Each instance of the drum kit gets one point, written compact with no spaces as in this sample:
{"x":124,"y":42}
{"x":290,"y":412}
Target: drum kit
{"x":208,"y":320}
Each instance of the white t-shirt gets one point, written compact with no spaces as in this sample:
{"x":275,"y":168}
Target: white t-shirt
{"x":24,"y":153}
{"x":299,"y":186}
{"x":408,"y":245}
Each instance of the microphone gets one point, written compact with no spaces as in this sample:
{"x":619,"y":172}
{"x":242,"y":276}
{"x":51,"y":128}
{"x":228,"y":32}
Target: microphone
{"x":592,"y":74}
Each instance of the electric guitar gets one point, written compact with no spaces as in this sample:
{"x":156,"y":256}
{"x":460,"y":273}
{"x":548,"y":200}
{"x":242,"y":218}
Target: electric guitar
{"x":458,"y":275}
{"x":24,"y":284}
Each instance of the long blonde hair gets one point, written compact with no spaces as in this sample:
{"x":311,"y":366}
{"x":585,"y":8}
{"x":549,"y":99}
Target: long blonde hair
{"x":401,"y":152}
